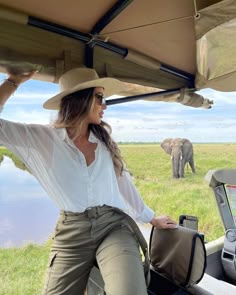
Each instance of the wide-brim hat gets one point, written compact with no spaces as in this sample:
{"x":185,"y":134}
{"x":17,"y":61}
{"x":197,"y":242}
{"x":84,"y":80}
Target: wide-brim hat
{"x":79,"y":79}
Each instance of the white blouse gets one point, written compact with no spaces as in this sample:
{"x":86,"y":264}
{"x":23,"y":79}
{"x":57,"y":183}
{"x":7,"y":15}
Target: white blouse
{"x":62,"y":171}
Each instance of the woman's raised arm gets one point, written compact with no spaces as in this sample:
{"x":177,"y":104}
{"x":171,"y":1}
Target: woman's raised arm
{"x":10,"y":84}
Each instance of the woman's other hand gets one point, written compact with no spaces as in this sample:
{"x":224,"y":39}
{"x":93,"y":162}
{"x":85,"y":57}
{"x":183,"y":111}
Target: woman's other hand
{"x":163,"y":222}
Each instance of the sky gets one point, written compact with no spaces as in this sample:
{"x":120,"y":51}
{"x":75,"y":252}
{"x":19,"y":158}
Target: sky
{"x":138,"y":121}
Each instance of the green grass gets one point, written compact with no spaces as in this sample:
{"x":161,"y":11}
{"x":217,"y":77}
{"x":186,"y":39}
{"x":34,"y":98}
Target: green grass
{"x":151,"y":168}
{"x":18,"y":163}
{"x":22,"y":270}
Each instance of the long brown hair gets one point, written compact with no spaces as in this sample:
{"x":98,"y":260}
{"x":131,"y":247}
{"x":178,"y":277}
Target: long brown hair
{"x":74,"y":109}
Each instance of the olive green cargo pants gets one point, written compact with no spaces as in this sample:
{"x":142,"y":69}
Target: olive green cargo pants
{"x":97,"y":236}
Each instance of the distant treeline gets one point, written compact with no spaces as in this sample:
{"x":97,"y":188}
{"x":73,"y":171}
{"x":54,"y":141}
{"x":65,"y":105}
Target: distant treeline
{"x":156,"y":142}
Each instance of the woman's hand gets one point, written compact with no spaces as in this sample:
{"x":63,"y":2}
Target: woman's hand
{"x":19,"y":79}
{"x":10,"y":85}
{"x":163,"y":222}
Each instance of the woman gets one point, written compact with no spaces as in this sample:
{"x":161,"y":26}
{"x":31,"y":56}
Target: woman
{"x":80,"y":167}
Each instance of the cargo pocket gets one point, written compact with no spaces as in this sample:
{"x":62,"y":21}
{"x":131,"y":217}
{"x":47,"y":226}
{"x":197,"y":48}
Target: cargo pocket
{"x":52,"y":258}
{"x":49,"y":271}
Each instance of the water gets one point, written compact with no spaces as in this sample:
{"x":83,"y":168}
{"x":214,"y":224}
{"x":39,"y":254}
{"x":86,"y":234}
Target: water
{"x":27,"y":214}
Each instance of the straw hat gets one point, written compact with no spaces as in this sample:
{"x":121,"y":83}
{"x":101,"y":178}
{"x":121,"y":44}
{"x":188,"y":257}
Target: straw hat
{"x":82,"y":78}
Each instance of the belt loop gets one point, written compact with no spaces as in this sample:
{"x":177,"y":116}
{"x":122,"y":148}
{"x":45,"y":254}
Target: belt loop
{"x":93,"y":212}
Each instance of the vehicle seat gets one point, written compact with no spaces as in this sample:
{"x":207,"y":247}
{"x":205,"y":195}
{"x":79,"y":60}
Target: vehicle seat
{"x":178,"y":261}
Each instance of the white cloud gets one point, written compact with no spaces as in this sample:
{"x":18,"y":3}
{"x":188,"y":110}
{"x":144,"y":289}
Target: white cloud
{"x":154,"y":121}
{"x":219,"y":97}
{"x":30,"y":98}
{"x":34,"y":116}
{"x":139,"y":120}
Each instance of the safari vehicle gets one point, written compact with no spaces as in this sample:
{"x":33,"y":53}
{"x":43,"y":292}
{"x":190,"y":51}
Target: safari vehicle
{"x":164,"y":50}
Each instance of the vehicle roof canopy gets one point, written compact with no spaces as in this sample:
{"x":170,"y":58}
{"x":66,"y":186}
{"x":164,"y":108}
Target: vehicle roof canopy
{"x":155,"y":45}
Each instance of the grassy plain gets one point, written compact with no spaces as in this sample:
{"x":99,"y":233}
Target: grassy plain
{"x":151,"y":168}
{"x":22,"y":270}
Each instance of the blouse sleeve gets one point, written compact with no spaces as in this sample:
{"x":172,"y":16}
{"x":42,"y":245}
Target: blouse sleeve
{"x":23,"y":138}
{"x":14,"y":136}
{"x":133,"y":200}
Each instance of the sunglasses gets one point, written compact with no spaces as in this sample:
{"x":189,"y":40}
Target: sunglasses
{"x":100,"y":98}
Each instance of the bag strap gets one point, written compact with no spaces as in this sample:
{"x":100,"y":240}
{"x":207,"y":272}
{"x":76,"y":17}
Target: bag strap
{"x":141,"y":240}
{"x":136,"y":230}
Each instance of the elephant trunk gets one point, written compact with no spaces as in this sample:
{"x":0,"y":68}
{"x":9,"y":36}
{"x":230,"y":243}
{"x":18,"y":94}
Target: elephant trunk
{"x":177,"y":164}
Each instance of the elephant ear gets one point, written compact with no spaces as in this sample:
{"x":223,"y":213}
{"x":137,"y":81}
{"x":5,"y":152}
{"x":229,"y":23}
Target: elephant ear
{"x":166,"y":145}
{"x":186,"y":141}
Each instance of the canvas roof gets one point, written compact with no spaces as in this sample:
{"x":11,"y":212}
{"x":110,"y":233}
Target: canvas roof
{"x":147,"y":43}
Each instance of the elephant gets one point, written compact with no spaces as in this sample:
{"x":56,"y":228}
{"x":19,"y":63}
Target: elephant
{"x":181,"y":151}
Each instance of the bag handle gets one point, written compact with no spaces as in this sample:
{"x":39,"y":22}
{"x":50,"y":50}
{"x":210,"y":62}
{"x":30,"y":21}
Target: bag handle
{"x":142,"y":243}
